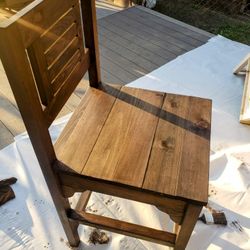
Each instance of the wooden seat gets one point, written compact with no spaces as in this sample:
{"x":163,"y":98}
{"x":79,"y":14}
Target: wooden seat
{"x":136,"y":144}
{"x":141,"y":138}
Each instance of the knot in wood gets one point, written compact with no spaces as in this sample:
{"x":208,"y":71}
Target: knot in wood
{"x":168,"y":144}
{"x":202,"y":124}
{"x":173,"y":104}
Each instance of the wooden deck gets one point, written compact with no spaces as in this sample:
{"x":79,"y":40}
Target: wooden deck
{"x":133,"y":42}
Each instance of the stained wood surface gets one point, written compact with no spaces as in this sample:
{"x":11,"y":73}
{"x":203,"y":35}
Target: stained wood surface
{"x":134,"y":54}
{"x":109,"y":141}
{"x":175,"y":167}
{"x":141,"y":138}
{"x":103,"y":103}
{"x":123,"y":227}
{"x":185,"y":231}
{"x":123,"y":156}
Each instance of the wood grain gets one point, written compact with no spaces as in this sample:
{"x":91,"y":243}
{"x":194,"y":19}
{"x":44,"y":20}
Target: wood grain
{"x":8,"y":181}
{"x":245,"y":106}
{"x":174,"y":166}
{"x":123,"y":227}
{"x":40,"y":70}
{"x":107,"y":143}
{"x":87,"y":122}
{"x":58,"y":82}
{"x":185,"y":231}
{"x":53,"y":33}
{"x":242,"y":66}
{"x":123,"y":156}
{"x":59,"y":46}
{"x":194,"y":173}
{"x":13,"y":54}
{"x":6,"y":194}
{"x":68,"y":87}
{"x":39,"y":21}
{"x":164,"y":162}
{"x":55,"y":68}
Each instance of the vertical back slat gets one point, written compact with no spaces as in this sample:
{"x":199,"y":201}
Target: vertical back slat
{"x":91,"y":40}
{"x":67,"y":88}
{"x":39,"y":67}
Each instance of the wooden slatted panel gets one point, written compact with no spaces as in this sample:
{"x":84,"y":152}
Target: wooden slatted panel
{"x":61,"y":44}
{"x":179,"y":160}
{"x":59,"y":60}
{"x":66,"y":71}
{"x":67,"y":88}
{"x":86,"y":122}
{"x":57,"y":41}
{"x":67,"y":39}
{"x":36,"y":22}
{"x":58,"y":29}
{"x":39,"y":67}
{"x":123,"y":147}
{"x":67,"y":54}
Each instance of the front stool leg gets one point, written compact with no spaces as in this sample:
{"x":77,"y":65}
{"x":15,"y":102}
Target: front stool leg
{"x":190,"y":218}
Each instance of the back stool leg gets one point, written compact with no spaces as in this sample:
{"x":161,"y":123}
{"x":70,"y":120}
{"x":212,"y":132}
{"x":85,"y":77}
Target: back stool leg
{"x":69,"y":226}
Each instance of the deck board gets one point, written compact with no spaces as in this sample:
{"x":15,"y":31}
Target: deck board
{"x":133,"y":42}
{"x":173,"y":29}
{"x":126,"y":43}
{"x":131,"y":26}
{"x":163,"y":34}
{"x":133,"y":38}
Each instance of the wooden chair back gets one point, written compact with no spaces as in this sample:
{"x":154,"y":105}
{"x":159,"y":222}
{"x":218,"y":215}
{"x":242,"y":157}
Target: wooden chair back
{"x":44,"y":57}
{"x":51,"y":52}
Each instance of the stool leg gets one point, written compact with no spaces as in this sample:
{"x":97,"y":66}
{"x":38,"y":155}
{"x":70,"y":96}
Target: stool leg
{"x":80,"y":206}
{"x":176,"y":228}
{"x":70,"y":227}
{"x":190,"y":218}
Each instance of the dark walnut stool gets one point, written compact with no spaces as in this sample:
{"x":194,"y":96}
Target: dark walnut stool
{"x":136,"y":144}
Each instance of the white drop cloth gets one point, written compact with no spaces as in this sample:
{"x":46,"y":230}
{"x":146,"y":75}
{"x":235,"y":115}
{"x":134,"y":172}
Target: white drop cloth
{"x":30,"y":221}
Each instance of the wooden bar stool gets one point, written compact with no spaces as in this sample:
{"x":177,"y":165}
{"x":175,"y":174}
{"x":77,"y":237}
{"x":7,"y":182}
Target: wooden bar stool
{"x":136,"y":144}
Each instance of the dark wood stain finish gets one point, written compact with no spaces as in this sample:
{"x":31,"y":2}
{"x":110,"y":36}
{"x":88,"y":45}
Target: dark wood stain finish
{"x":131,"y":143}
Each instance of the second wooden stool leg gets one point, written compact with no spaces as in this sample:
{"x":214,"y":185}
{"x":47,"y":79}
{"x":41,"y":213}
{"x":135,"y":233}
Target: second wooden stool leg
{"x":190,"y":218}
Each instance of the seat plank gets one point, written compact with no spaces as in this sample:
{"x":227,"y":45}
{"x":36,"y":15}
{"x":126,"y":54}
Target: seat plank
{"x":194,"y":174}
{"x":164,"y":163}
{"x":140,"y":138}
{"x":80,"y":134}
{"x":174,"y":167}
{"x":123,"y":147}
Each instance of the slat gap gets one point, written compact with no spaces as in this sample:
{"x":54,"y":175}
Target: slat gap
{"x":53,"y":44}
{"x":58,"y":57}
